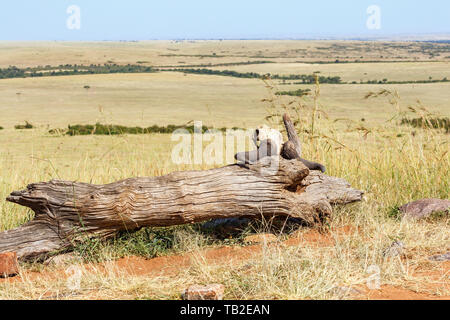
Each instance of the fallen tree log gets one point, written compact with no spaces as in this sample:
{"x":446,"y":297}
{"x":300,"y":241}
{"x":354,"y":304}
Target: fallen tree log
{"x":66,"y":211}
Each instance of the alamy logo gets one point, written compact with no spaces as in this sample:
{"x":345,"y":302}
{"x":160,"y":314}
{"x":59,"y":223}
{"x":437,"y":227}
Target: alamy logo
{"x":207,"y":147}
{"x":74,"y":20}
{"x":74,"y":278}
{"x":373,"y":281}
{"x":215,"y":147}
{"x":374,"y":19}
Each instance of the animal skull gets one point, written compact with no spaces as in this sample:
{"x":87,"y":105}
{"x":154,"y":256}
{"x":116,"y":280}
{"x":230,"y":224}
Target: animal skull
{"x":264,"y":132}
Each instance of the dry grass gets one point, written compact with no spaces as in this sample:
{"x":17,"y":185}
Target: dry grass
{"x":393,"y":164}
{"x":162,"y":98}
{"x":279,"y":272}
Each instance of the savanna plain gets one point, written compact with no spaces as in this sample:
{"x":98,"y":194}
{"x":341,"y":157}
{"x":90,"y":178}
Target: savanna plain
{"x":367,"y":110}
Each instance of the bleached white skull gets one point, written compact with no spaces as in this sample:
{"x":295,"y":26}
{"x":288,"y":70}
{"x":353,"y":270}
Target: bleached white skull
{"x":264,"y":132}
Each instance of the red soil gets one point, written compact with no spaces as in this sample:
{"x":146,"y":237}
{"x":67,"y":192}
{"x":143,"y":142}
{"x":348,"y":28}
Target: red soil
{"x":172,"y":265}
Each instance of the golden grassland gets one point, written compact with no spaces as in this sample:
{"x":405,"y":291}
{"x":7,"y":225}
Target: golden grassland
{"x":163,"y":98}
{"x":163,"y":53}
{"x":393,"y":164}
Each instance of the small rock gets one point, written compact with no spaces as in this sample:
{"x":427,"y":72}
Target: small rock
{"x":62,"y":260}
{"x":263,"y":238}
{"x":397,"y":248}
{"x":8,"y":264}
{"x":423,"y":208}
{"x":246,"y":267}
{"x":343,"y":292}
{"x":209,"y":292}
{"x":440,"y":257}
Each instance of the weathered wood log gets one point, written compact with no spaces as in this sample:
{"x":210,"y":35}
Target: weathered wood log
{"x":292,"y":136}
{"x":67,"y":211}
{"x":267,"y":148}
{"x":292,"y":148}
{"x":289,"y":150}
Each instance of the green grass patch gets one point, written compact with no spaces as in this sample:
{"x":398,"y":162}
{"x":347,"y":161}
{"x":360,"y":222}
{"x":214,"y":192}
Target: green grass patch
{"x":294,"y":93}
{"x":428,"y":123}
{"x":27,"y":125}
{"x":151,"y":242}
{"x":147,"y":243}
{"x":394,"y":213}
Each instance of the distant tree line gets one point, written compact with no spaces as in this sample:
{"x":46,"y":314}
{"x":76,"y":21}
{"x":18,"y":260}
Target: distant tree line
{"x":307,"y":78}
{"x":362,"y":61}
{"x":228,"y":73}
{"x":385,"y":81}
{"x":69,"y":69}
{"x":111,"y":129}
{"x":304,"y":79}
{"x":227,"y":64}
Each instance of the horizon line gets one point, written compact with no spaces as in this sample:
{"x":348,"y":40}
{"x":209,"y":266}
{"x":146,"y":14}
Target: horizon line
{"x":438,"y":36}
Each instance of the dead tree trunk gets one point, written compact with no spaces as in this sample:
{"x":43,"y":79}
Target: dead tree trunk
{"x":66,"y":211}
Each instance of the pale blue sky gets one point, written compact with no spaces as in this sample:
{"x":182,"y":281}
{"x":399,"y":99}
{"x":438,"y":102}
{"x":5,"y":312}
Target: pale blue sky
{"x":228,"y":19}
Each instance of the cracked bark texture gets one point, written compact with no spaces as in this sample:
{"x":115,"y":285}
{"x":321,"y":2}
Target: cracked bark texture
{"x":67,"y":211}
